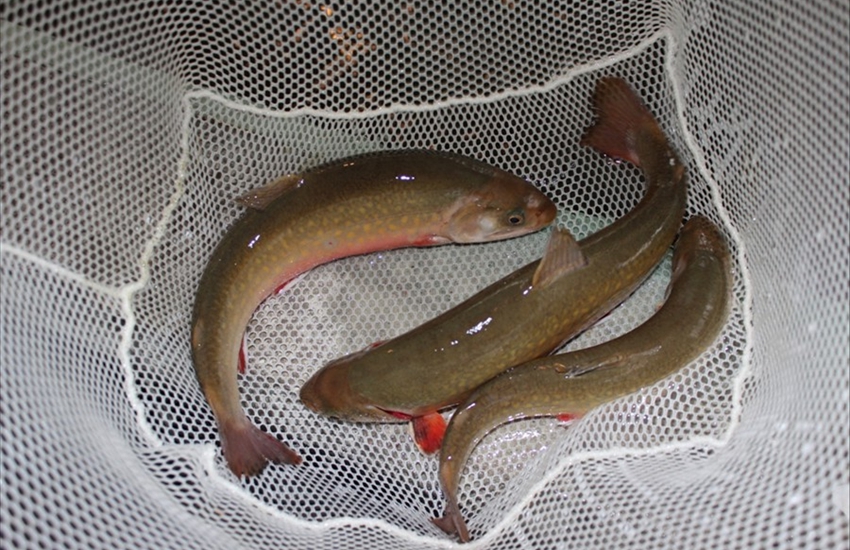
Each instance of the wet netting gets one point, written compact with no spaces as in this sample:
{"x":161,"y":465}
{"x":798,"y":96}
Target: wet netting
{"x":128,"y":128}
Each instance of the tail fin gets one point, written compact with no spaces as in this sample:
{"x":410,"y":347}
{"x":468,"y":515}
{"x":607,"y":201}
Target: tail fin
{"x":621,"y":116}
{"x":452,"y":521}
{"x":248,"y":450}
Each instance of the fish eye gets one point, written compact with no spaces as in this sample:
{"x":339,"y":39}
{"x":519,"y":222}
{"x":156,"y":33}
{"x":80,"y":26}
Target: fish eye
{"x":516,"y":217}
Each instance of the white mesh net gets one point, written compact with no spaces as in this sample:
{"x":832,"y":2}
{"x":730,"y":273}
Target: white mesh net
{"x":127,"y":129}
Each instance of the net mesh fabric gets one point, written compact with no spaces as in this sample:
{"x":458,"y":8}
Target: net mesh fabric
{"x":128,"y":129}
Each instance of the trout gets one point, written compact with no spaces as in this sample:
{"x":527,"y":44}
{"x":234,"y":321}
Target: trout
{"x":570,"y":384}
{"x":530,"y":312}
{"x":351,"y":206}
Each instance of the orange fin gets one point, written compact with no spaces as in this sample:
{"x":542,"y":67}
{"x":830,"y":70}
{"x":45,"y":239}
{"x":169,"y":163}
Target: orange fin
{"x":428,"y":432}
{"x":261,"y":197}
{"x":563,"y":255}
{"x":621,"y":114}
{"x":248,"y":450}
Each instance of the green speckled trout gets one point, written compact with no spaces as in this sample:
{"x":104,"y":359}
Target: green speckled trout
{"x":570,"y":384}
{"x":530,"y":312}
{"x":351,"y":206}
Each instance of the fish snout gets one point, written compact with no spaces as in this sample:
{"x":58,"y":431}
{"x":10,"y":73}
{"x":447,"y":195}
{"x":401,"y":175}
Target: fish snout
{"x":318,"y":392}
{"x":541,"y":209}
{"x":329,"y":393}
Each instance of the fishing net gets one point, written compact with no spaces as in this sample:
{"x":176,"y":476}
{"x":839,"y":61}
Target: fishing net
{"x":129,"y":127}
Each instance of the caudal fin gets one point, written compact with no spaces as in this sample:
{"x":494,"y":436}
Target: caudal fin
{"x":452,"y":521}
{"x":248,"y":450}
{"x":621,"y":116}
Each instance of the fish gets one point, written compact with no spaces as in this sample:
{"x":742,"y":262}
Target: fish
{"x":357,"y":205}
{"x":533,"y":310}
{"x":569,"y":385}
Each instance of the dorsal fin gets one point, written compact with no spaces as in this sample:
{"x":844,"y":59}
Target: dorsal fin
{"x":563,"y":255}
{"x":261,"y":197}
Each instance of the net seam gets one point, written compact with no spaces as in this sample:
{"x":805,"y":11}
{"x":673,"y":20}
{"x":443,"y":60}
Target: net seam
{"x":208,"y":456}
{"x":587,"y":456}
{"x":740,"y":256}
{"x":737,"y":392}
{"x":58,"y":270}
{"x":207,"y":453}
{"x":128,"y":292}
{"x":568,"y":76}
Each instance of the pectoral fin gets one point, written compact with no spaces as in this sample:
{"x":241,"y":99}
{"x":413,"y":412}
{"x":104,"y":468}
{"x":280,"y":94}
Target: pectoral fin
{"x":261,"y":197}
{"x":563,"y":255}
{"x":428,"y":432}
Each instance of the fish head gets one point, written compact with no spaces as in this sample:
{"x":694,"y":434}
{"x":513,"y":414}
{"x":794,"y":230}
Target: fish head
{"x":328,"y":392}
{"x":502,"y":208}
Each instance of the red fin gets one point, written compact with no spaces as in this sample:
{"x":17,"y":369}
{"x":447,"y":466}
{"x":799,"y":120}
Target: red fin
{"x":428,"y":432}
{"x":240,"y":363}
{"x":621,"y":114}
{"x":563,"y":255}
{"x":374,"y":345}
{"x":248,"y":450}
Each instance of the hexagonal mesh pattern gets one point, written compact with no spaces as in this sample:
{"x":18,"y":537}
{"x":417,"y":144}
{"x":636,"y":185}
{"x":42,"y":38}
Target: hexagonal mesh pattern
{"x":128,"y":129}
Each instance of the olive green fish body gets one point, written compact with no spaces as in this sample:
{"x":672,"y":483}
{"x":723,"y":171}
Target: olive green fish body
{"x":512,"y":321}
{"x":573,"y":383}
{"x":509,"y":324}
{"x":354,"y":206}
